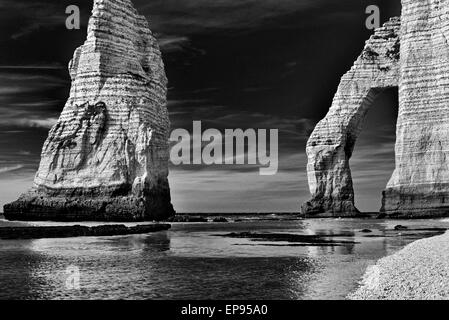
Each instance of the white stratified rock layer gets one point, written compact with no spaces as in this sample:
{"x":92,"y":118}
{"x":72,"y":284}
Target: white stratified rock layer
{"x":419,"y":186}
{"x":107,"y":157}
{"x":331,"y":144}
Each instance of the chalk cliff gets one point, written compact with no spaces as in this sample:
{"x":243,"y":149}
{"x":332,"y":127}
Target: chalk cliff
{"x":107,"y":156}
{"x":332,"y":142}
{"x":412,"y":54}
{"x":419,"y":186}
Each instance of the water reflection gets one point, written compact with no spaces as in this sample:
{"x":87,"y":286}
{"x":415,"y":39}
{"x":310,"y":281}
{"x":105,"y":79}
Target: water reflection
{"x":194,"y":261}
{"x":17,"y":261}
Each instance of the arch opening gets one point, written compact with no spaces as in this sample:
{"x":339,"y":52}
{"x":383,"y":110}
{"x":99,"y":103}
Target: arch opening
{"x":373,"y":158}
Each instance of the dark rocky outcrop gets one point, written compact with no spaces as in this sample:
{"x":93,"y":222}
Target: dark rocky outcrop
{"x":9,"y":233}
{"x":298,"y":239}
{"x":187,"y":218}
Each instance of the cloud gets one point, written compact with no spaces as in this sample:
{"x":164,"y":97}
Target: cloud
{"x":193,"y":16}
{"x":165,"y":16}
{"x":23,"y":101}
{"x":172,"y":19}
{"x":35,"y":80}
{"x":34,"y":123}
{"x":53,"y":66}
{"x":26,"y":119}
{"x":9,"y":169}
{"x":35,"y":16}
{"x":15,"y":90}
{"x":183,"y":103}
{"x":173,"y":43}
{"x":35,"y":104}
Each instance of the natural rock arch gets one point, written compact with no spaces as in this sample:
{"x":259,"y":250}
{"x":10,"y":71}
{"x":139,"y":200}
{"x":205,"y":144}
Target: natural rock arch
{"x":331,"y":144}
{"x":419,"y":186}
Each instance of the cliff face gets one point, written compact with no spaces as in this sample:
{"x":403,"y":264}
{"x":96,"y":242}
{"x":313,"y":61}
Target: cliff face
{"x":419,"y":186}
{"x":107,"y":156}
{"x":332,"y":142}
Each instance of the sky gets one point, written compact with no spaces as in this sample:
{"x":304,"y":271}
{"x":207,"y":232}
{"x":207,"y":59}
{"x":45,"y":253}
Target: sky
{"x":262,"y":64}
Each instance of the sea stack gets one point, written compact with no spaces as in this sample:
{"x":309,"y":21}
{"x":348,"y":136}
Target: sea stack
{"x":412,"y":54}
{"x":106,"y":159}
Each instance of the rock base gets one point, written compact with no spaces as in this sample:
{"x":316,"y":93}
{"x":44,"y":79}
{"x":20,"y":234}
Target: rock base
{"x":10,"y":233}
{"x":90,"y":205}
{"x":425,"y":201}
{"x":328,"y":208}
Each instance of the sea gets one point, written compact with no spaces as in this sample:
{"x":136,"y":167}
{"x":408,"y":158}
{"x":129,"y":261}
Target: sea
{"x":212,"y":260}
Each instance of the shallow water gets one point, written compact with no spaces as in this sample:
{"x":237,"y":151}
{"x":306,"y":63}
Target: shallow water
{"x":193,"y":261}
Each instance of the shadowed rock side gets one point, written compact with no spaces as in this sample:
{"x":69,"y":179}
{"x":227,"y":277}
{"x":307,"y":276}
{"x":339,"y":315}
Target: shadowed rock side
{"x":419,"y":186}
{"x":331,"y":144}
{"x":107,"y":156}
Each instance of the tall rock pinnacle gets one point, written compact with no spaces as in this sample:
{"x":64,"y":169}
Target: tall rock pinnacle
{"x":107,"y":156}
{"x":413,"y":55}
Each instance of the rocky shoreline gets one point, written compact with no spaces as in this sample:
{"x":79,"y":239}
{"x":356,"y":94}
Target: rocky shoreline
{"x":420,"y":271}
{"x":12,"y":233}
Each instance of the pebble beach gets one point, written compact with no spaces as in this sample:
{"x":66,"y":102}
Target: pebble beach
{"x":420,"y":271}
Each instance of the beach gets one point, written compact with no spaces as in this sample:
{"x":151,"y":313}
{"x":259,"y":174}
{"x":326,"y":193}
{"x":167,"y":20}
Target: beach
{"x":420,"y":271}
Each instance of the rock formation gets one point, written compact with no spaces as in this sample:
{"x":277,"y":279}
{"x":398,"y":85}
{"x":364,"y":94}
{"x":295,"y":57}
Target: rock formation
{"x":331,"y":144}
{"x":412,"y":54}
{"x":419,"y":186}
{"x":107,"y":156}
{"x":42,"y":232}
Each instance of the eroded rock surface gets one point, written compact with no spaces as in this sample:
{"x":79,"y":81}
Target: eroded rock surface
{"x":418,"y":63}
{"x":331,"y":144}
{"x":107,"y":156}
{"x":419,"y":186}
